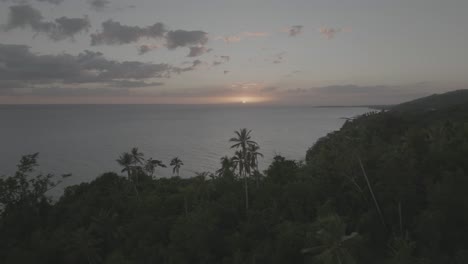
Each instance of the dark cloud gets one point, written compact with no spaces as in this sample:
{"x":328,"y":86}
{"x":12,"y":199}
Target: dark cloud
{"x":198,"y":51}
{"x":69,"y":27}
{"x":24,"y":16}
{"x":19,"y":67}
{"x":183,"y":38}
{"x":196,"y":63}
{"x":114,"y":33}
{"x":226,"y":72}
{"x":99,"y":5}
{"x":145,"y":48}
{"x":295,"y":30}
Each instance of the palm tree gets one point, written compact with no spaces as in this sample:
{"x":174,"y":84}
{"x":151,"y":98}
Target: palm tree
{"x":152,"y":164}
{"x":137,"y":161}
{"x":238,"y":162}
{"x":243,"y":139}
{"x":177,"y":163}
{"x":243,"y":142}
{"x":254,"y":154}
{"x":126,"y":160}
{"x":137,"y":156}
{"x":227,"y":167}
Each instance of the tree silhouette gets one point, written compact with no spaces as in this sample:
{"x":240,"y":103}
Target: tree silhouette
{"x":243,"y":142}
{"x":151,"y":165}
{"x":138,"y":157}
{"x":227,"y":167}
{"x":126,"y":160}
{"x":253,"y":156}
{"x":176,"y":163}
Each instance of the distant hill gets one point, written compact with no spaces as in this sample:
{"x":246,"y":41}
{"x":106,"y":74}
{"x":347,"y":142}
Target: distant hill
{"x":434,"y":102}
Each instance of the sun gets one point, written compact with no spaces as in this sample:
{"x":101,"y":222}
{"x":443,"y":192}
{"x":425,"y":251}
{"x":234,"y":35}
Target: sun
{"x":244,"y":101}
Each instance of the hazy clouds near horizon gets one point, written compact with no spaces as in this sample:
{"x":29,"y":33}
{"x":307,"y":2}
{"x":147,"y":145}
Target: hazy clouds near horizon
{"x":174,"y":51}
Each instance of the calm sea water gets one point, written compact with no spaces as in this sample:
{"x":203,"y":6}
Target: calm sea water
{"x":85,"y":140}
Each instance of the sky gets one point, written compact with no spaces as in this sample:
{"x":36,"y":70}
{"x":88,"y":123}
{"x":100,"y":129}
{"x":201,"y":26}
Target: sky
{"x":314,"y":52}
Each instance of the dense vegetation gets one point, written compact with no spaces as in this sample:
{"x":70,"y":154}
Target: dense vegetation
{"x":388,"y":187}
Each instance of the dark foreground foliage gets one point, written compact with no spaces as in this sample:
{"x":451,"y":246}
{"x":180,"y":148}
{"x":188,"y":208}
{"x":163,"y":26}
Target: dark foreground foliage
{"x":389,"y":187}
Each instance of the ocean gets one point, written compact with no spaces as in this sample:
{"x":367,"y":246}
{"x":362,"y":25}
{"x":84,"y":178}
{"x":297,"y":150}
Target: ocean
{"x":85,"y":140}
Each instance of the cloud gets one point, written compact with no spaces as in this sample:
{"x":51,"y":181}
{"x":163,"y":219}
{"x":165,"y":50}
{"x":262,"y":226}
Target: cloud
{"x":226,"y":72}
{"x":134,"y":84}
{"x":295,"y":30}
{"x":20,"y":68}
{"x":8,"y":85}
{"x":99,"y":5}
{"x":194,"y":65}
{"x":79,"y":92}
{"x":198,"y":51}
{"x":114,"y":33}
{"x":241,"y":36}
{"x":221,"y":60}
{"x":183,"y":38}
{"x":55,"y":2}
{"x":329,"y":32}
{"x":145,"y":48}
{"x":23,"y":16}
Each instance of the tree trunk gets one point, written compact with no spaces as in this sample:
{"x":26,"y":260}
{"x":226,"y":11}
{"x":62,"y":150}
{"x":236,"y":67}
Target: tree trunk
{"x":185,"y":205}
{"x":372,"y":192}
{"x":134,"y":185}
{"x":246,"y":188}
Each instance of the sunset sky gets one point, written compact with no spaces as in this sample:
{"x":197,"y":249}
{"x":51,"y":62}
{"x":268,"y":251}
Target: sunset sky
{"x":318,"y":52}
